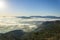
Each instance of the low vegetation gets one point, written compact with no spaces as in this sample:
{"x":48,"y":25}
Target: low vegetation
{"x":50,"y":31}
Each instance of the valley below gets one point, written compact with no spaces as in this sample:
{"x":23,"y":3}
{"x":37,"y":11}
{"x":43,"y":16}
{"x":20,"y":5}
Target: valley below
{"x":13,"y":28}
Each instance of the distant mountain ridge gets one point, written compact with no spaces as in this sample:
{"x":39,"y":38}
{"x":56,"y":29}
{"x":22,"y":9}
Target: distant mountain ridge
{"x":38,"y":17}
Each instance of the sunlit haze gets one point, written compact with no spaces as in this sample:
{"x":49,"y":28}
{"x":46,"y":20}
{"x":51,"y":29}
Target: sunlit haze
{"x":29,"y":7}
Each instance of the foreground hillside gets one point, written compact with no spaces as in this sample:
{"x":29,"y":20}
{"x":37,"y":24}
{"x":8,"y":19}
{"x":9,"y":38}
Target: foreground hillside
{"x":50,"y":30}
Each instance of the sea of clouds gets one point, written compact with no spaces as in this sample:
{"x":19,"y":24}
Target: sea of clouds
{"x":12,"y":23}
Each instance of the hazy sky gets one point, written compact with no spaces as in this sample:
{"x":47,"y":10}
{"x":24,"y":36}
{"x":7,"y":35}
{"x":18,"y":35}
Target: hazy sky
{"x":29,"y":7}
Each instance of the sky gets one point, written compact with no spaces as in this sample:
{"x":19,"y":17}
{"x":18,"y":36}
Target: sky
{"x":29,"y":7}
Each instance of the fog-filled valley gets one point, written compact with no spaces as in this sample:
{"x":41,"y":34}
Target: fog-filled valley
{"x":26,"y":24}
{"x":16,"y":28}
